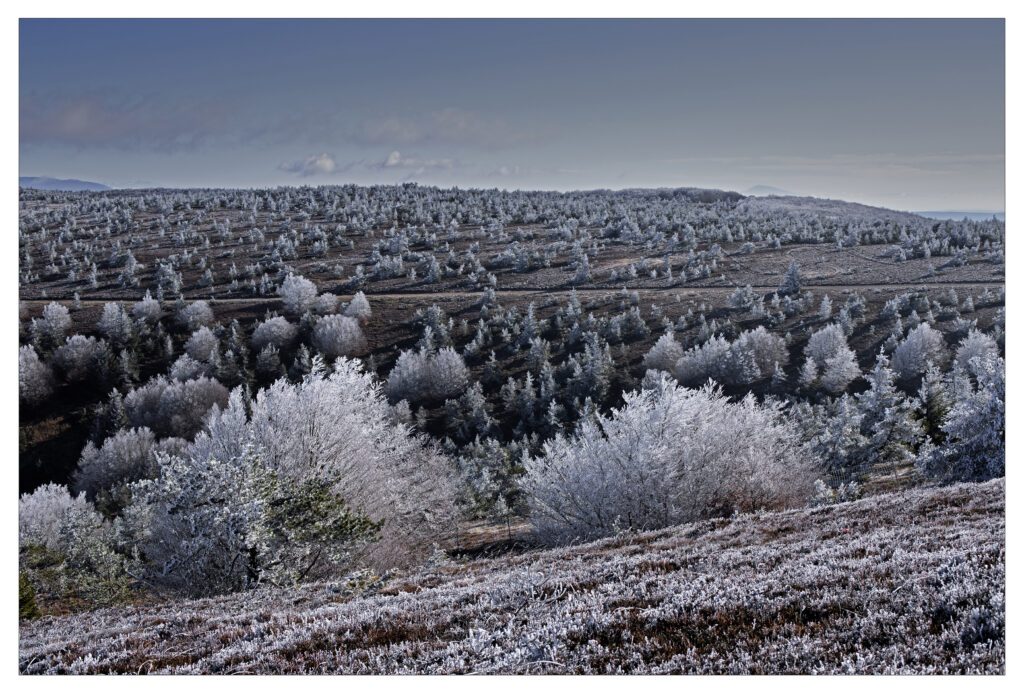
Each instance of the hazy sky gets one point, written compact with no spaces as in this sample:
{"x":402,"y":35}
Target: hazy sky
{"x":905,"y":114}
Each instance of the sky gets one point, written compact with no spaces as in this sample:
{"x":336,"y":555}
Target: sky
{"x":905,"y":114}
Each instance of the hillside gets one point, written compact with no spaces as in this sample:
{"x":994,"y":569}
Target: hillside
{"x":911,"y":582}
{"x":60,"y":184}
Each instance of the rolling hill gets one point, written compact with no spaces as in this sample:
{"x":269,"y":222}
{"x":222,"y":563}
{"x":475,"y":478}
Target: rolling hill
{"x":911,"y":582}
{"x":63,"y":184}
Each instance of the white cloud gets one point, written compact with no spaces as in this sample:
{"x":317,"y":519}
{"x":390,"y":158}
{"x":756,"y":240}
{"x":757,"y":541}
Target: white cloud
{"x":322,"y":164}
{"x":396,"y":161}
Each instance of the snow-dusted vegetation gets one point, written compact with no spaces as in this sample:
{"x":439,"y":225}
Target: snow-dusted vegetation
{"x":267,"y":391}
{"x":841,"y":589}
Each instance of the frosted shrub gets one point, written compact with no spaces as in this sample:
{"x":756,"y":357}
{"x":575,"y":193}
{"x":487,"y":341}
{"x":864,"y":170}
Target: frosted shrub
{"x":41,"y":512}
{"x":202,"y":345}
{"x":667,"y":456}
{"x":664,"y":354}
{"x":827,"y":354}
{"x":147,"y":310}
{"x":125,"y":457}
{"x":171,"y":408}
{"x":325,"y":304}
{"x":419,"y":375}
{"x":195,"y":315}
{"x":277,"y":331}
{"x":187,"y":368}
{"x":49,"y":330}
{"x":921,"y":346}
{"x":975,"y":345}
{"x":337,"y":335}
{"x":81,"y":358}
{"x":329,"y":439}
{"x":359,"y":308}
{"x":35,"y":378}
{"x":974,"y":448}
{"x":297,"y":295}
{"x":67,"y":548}
{"x":115,"y":325}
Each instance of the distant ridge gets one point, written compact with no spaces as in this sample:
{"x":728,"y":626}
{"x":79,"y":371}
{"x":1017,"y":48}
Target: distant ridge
{"x":957,"y":215}
{"x":69,"y":184}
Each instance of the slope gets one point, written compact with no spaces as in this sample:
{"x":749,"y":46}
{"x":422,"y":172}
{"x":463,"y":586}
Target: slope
{"x":899,"y":583}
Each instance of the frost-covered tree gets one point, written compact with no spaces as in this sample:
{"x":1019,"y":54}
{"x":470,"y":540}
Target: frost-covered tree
{"x":195,"y":315}
{"x":975,"y":345}
{"x":889,"y":419}
{"x":421,"y":375}
{"x":268,"y":363}
{"x":338,"y":335}
{"x":297,"y":295}
{"x":127,"y":456}
{"x":489,"y":473}
{"x":825,"y":343}
{"x":469,"y":416}
{"x":829,"y":361}
{"x":188,"y":368}
{"x":664,"y":354}
{"x":582,"y":269}
{"x":49,"y":330}
{"x":174,"y":409}
{"x":709,"y":360}
{"x":66,"y":548}
{"x":277,"y":331}
{"x":754,"y":355}
{"x":40,"y":514}
{"x":922,"y":345}
{"x":933,"y":403}
{"x":325,"y":304}
{"x":202,"y":345}
{"x":761,"y":348}
{"x":791,"y":280}
{"x":808,"y":377}
{"x":825,"y":308}
{"x":35,"y":377}
{"x":974,"y":447}
{"x":115,"y":324}
{"x":840,"y":370}
{"x":147,"y":310}
{"x":82,"y":358}
{"x":668,"y":455}
{"x":839,"y":443}
{"x":359,"y":308}
{"x":291,"y":489}
{"x":448,"y":374}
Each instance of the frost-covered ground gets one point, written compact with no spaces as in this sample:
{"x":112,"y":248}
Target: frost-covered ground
{"x":903,"y":583}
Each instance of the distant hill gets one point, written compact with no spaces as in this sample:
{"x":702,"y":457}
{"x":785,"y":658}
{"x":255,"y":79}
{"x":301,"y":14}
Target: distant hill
{"x":822,"y":206}
{"x":762,"y":190}
{"x":957,"y":216}
{"x":69,"y":184}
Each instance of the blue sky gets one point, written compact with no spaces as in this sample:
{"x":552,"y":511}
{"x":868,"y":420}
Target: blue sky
{"x":906,"y":114}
